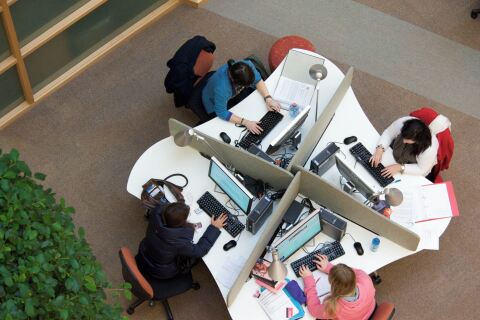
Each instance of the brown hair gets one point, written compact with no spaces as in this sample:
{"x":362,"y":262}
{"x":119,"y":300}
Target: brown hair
{"x":342,"y":282}
{"x":176,"y":214}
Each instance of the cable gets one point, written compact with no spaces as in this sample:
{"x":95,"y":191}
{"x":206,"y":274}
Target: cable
{"x":351,"y":237}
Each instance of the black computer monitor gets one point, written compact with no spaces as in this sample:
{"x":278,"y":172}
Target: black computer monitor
{"x":230,"y":185}
{"x":289,"y":130}
{"x":348,"y":173}
{"x":298,"y":236}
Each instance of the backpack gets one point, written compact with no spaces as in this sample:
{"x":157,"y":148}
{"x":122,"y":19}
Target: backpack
{"x":153,"y":192}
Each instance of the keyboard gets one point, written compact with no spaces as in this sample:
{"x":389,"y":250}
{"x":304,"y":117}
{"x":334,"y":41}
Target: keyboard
{"x":267,"y":123}
{"x":332,"y":250}
{"x":212,"y":207}
{"x":363,"y":156}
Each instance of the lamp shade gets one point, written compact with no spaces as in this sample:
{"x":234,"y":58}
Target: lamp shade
{"x":393,"y":196}
{"x":184,"y":138}
{"x":277,"y":270}
{"x":318,"y":72}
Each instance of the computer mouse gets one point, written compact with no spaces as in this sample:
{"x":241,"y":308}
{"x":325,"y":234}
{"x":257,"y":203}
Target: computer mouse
{"x":358,"y":247}
{"x":229,"y":245}
{"x":225,"y":137}
{"x":349,"y":140}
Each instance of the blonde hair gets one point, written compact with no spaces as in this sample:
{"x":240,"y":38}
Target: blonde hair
{"x":342,"y":282}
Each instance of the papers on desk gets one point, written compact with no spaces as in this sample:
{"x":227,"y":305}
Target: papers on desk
{"x":322,"y":285}
{"x":230,"y":270}
{"x":424,"y":203}
{"x":280,"y":305}
{"x":289,"y":91}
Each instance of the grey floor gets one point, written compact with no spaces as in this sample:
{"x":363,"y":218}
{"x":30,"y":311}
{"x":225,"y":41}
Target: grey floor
{"x":374,"y":42}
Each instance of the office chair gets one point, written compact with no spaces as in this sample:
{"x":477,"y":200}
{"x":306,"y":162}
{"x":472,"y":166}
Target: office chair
{"x":152,"y":289}
{"x":384,"y":311}
{"x":195,"y":102}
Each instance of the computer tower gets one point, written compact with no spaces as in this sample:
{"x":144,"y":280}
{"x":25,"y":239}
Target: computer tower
{"x":324,"y":160}
{"x":259,"y":214}
{"x":332,"y":226}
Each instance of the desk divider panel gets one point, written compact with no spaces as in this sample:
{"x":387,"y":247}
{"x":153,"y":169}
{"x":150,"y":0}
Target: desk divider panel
{"x":315,"y":134}
{"x":241,"y":160}
{"x":345,"y":205}
{"x":272,"y":223}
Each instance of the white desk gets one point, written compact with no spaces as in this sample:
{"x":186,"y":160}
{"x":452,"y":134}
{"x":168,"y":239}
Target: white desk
{"x":164,"y":158}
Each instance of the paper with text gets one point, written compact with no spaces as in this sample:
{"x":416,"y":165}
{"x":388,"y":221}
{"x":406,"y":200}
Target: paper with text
{"x":275,"y":304}
{"x":289,"y":91}
{"x":230,"y":270}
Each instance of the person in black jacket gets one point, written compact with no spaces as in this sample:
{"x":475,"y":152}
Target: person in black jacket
{"x":169,"y":236}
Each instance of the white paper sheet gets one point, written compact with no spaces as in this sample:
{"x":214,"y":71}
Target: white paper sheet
{"x":230,"y":270}
{"x":275,"y":304}
{"x":289,"y":91}
{"x":322,"y":284}
{"x":434,"y":201}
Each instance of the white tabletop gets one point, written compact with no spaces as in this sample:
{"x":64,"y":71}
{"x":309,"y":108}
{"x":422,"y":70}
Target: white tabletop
{"x":165,"y":158}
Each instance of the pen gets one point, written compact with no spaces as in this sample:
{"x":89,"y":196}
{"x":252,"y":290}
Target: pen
{"x":398,"y":180}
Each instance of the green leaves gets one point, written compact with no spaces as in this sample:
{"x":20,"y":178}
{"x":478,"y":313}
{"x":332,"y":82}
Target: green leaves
{"x":47,"y":269}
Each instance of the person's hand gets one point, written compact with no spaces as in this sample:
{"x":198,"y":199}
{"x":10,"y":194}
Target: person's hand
{"x":253,"y":126}
{"x":220,"y":222}
{"x":390,"y":170}
{"x":273,"y":105}
{"x":304,"y":271}
{"x":377,"y":157}
{"x":322,"y":262}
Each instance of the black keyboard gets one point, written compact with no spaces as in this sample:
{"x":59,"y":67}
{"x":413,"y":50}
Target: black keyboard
{"x":332,"y":250}
{"x":212,"y":207}
{"x":363,"y":156}
{"x":267,"y":123}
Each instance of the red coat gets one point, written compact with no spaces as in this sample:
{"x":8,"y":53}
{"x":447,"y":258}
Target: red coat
{"x":441,"y":127}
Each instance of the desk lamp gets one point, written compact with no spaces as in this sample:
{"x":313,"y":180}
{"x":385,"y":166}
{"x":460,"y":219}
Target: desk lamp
{"x":317,"y":72}
{"x":393,"y":197}
{"x":184,"y":138}
{"x":277,"y":270}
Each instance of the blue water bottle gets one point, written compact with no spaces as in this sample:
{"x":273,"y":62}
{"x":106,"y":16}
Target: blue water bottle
{"x":293,"y":110}
{"x":375,"y":243}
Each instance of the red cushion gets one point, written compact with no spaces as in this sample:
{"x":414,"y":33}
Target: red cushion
{"x":280,"y":49}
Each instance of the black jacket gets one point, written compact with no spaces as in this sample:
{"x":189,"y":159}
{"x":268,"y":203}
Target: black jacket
{"x":180,"y":78}
{"x":158,"y":250}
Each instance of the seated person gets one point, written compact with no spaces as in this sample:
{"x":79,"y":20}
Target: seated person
{"x":352,"y":295}
{"x":227,"y":83}
{"x":414,"y":148}
{"x":169,"y":235}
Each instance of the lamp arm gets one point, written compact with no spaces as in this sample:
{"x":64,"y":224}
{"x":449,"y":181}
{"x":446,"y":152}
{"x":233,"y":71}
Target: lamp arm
{"x":227,"y":164}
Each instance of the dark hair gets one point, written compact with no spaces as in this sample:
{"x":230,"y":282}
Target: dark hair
{"x":417,"y":130}
{"x":240,"y":73}
{"x":176,"y":214}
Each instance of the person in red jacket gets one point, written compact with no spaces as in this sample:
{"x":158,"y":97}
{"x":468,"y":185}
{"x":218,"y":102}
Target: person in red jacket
{"x":352,"y":295}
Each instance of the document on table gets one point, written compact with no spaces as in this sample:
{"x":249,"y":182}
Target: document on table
{"x":276,"y":304}
{"x":322,"y":284}
{"x":404,"y":214}
{"x":230,"y":270}
{"x":289,"y":91}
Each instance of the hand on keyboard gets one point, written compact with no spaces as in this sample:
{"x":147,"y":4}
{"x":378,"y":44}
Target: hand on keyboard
{"x":253,"y":126}
{"x":304,"y":271}
{"x":321,"y":262}
{"x":220,"y":222}
{"x":377,"y":157}
{"x":390,"y":170}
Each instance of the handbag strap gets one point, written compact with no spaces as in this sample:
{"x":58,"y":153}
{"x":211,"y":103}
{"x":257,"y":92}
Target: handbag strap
{"x":177,"y":175}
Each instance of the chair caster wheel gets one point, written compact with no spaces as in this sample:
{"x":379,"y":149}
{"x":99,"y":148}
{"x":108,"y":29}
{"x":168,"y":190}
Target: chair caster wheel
{"x":151,"y":303}
{"x":376,"y":279}
{"x":130,"y":310}
{"x":474,"y":15}
{"x":195,"y":286}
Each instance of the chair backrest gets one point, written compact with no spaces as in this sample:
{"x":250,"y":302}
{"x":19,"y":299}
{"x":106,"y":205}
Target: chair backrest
{"x":384,"y":311}
{"x":203,"y":64}
{"x":440,"y":126}
{"x":195,"y":102}
{"x":140,"y":286}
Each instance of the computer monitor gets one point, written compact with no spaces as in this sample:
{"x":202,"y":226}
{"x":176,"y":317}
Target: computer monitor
{"x":298,"y":236}
{"x":348,"y":173}
{"x":289,"y":130}
{"x":230,"y":185}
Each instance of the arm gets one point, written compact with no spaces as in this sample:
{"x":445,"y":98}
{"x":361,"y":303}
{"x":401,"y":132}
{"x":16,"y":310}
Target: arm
{"x":203,"y":245}
{"x":314,"y":306}
{"x":425,"y":161}
{"x":272,"y":105}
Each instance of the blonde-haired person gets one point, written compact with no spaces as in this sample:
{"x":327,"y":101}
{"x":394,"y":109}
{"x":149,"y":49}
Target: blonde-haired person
{"x":352,"y":295}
